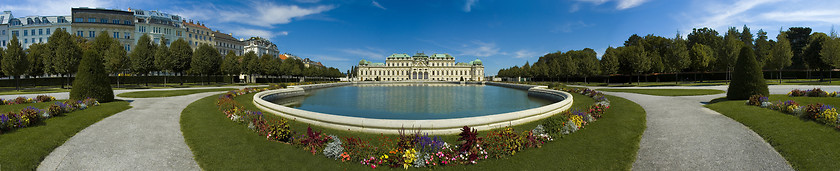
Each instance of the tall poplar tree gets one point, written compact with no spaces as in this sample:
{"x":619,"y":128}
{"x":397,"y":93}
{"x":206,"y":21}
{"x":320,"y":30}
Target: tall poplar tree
{"x":163,"y":59}
{"x":14,"y":61}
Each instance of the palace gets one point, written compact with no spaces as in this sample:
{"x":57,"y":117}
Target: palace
{"x":420,"y":67}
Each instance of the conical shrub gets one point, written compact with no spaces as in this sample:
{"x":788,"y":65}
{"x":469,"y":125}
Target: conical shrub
{"x":91,"y":79}
{"x":747,"y":78}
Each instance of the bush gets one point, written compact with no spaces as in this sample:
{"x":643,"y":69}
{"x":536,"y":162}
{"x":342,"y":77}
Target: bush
{"x":91,"y":79}
{"x":747,"y":78}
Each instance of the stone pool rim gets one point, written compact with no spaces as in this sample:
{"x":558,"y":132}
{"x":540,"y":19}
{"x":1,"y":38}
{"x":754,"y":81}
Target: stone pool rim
{"x":431,"y":126}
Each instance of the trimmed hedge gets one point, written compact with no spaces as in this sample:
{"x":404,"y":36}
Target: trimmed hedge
{"x":747,"y":79}
{"x":91,"y":79}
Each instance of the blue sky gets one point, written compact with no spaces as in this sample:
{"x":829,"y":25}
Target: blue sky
{"x":501,"y":33}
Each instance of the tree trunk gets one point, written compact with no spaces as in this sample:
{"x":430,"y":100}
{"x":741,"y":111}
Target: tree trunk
{"x":17,"y":82}
{"x":780,"y":76}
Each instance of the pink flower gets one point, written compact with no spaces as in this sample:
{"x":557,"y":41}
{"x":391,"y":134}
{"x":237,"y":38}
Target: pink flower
{"x":373,"y":166}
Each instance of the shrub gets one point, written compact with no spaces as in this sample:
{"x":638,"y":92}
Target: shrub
{"x":504,"y":142}
{"x":313,"y":141}
{"x":275,"y":130}
{"x":816,"y":92}
{"x":91,"y":79}
{"x":44,"y":98}
{"x":747,"y":78}
{"x":554,"y":124}
{"x":334,"y":148}
{"x":32,"y":114}
{"x":757,"y":100}
{"x":20,"y":100}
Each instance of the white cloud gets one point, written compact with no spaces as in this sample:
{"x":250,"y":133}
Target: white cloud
{"x":260,"y":14}
{"x":52,"y":7}
{"x":250,"y":32}
{"x":480,"y":49}
{"x":525,"y":54}
{"x":469,"y":4}
{"x":620,"y":4}
{"x":377,"y":5}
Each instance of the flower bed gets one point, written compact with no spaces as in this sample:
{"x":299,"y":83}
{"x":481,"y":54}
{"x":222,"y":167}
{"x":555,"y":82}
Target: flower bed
{"x":24,"y":100}
{"x":818,"y":112}
{"x":414,"y":149}
{"x":31,"y":116}
{"x":816,"y":92}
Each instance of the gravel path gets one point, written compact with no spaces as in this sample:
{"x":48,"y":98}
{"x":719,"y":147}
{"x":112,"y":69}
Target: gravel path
{"x":145,"y":137}
{"x":681,"y":134}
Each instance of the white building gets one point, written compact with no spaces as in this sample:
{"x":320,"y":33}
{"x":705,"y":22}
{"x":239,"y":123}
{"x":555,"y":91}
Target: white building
{"x":4,"y":28}
{"x":438,"y":67}
{"x":158,"y":25}
{"x":36,"y":29}
{"x":261,"y":47}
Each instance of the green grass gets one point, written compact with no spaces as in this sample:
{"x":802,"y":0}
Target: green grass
{"x":668,"y":92}
{"x":169,"y":93}
{"x":25,"y":148}
{"x":220,"y":144}
{"x":806,"y":145}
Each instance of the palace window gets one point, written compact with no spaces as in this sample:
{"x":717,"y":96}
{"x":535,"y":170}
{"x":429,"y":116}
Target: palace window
{"x":48,"y":31}
{"x":116,"y":21}
{"x":116,"y":35}
{"x":25,"y":32}
{"x":92,"y":33}
{"x":127,"y":35}
{"x":79,"y":20}
{"x":40,"y":31}
{"x":91,"y":20}
{"x":80,"y":33}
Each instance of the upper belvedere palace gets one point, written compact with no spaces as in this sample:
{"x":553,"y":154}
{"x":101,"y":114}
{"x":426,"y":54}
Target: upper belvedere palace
{"x":420,"y":67}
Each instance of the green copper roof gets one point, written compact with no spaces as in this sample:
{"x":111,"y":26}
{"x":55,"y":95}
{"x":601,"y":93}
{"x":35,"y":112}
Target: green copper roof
{"x":438,"y":55}
{"x":396,"y":55}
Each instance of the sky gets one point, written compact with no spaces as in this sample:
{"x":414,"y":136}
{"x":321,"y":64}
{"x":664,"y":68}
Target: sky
{"x":502,"y":33}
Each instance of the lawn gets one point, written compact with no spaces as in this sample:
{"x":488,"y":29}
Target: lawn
{"x":220,"y":144}
{"x":25,"y":148}
{"x":168,"y":93}
{"x":668,"y":92}
{"x":805,"y":144}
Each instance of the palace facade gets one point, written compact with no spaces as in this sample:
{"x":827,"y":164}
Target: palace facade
{"x":420,"y":67}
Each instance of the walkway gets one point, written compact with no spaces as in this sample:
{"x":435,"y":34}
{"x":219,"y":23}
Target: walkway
{"x":145,"y":137}
{"x":681,"y":134}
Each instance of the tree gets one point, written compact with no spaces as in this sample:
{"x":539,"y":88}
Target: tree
{"x":526,"y":70}
{"x":677,"y":57}
{"x":142,"y":57}
{"x":587,"y":60}
{"x":116,"y":60}
{"x":706,"y":36}
{"x":14,"y":61}
{"x":250,"y":64}
{"x":181,"y":56}
{"x":746,"y":37}
{"x":830,"y":51}
{"x":701,"y":56}
{"x":205,"y":61}
{"x":92,"y":80}
{"x":163,"y":59}
{"x":265,"y":65}
{"x":729,"y":54}
{"x":64,"y":56}
{"x":231,"y":65}
{"x":781,"y":54}
{"x":812,"y":51}
{"x":35,"y":56}
{"x":762,"y":48}
{"x":609,"y":62}
{"x":633,"y":60}
{"x":748,"y":79}
{"x":101,"y":43}
{"x":798,"y":37}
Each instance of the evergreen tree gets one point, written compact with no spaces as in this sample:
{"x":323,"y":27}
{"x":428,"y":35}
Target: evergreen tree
{"x":748,"y":79}
{"x":746,"y":37}
{"x":762,"y":48}
{"x":14,"y":61}
{"x":781,"y":54}
{"x":231,"y":65}
{"x":142,"y":57}
{"x":92,"y":80}
{"x":798,"y":37}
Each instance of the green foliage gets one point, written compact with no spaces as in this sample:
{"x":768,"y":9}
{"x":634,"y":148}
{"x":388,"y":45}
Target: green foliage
{"x":65,"y":53}
{"x":231,"y":65}
{"x":116,"y":60}
{"x":181,"y":54}
{"x":812,"y":51}
{"x":142,"y":56}
{"x":799,"y":38}
{"x":763,"y":48}
{"x":102,"y":43}
{"x":163,"y":57}
{"x":35,"y":56}
{"x":747,"y":79}
{"x":677,"y":58}
{"x":205,"y":61}
{"x":830,"y":52}
{"x":633,"y":60}
{"x":701,"y":56}
{"x":92,"y":80}
{"x":250,"y":63}
{"x":14,"y":60}
{"x":609,"y":61}
{"x":780,"y":53}
{"x":587,"y":60}
{"x":730,"y":51}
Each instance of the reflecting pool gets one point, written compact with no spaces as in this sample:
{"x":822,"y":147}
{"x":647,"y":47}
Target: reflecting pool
{"x":414,"y":101}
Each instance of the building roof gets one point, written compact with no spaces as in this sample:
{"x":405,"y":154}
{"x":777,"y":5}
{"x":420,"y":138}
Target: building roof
{"x":40,"y":20}
{"x":5,"y":17}
{"x":283,"y":56}
{"x":401,"y":55}
{"x":438,"y":55}
{"x":199,"y":25}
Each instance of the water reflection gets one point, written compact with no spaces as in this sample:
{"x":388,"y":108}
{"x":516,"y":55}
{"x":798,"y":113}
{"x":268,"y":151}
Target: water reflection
{"x":414,"y":101}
